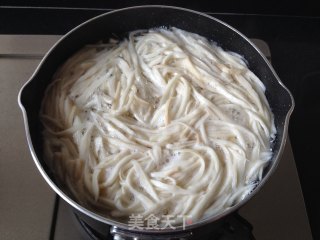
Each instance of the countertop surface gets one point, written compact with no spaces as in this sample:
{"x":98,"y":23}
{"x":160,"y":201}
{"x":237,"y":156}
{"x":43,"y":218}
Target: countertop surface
{"x":295,"y":46}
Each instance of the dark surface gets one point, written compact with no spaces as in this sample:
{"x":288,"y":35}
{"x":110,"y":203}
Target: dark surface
{"x":298,"y":7}
{"x":295,"y":49}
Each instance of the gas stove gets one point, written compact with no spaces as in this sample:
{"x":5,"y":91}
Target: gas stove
{"x":31,"y":210}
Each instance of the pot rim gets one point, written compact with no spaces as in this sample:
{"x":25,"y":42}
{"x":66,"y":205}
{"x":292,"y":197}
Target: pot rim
{"x":120,"y":225}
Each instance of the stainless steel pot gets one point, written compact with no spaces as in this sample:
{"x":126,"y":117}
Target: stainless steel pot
{"x":119,"y":23}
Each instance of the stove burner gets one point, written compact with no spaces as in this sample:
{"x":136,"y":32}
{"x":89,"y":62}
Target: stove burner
{"x":234,"y":227}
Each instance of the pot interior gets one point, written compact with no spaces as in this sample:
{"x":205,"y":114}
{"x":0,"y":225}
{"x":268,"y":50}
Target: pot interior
{"x":117,"y":24}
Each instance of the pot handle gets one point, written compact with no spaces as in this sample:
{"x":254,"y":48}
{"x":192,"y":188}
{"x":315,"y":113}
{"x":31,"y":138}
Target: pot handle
{"x":121,"y":234}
